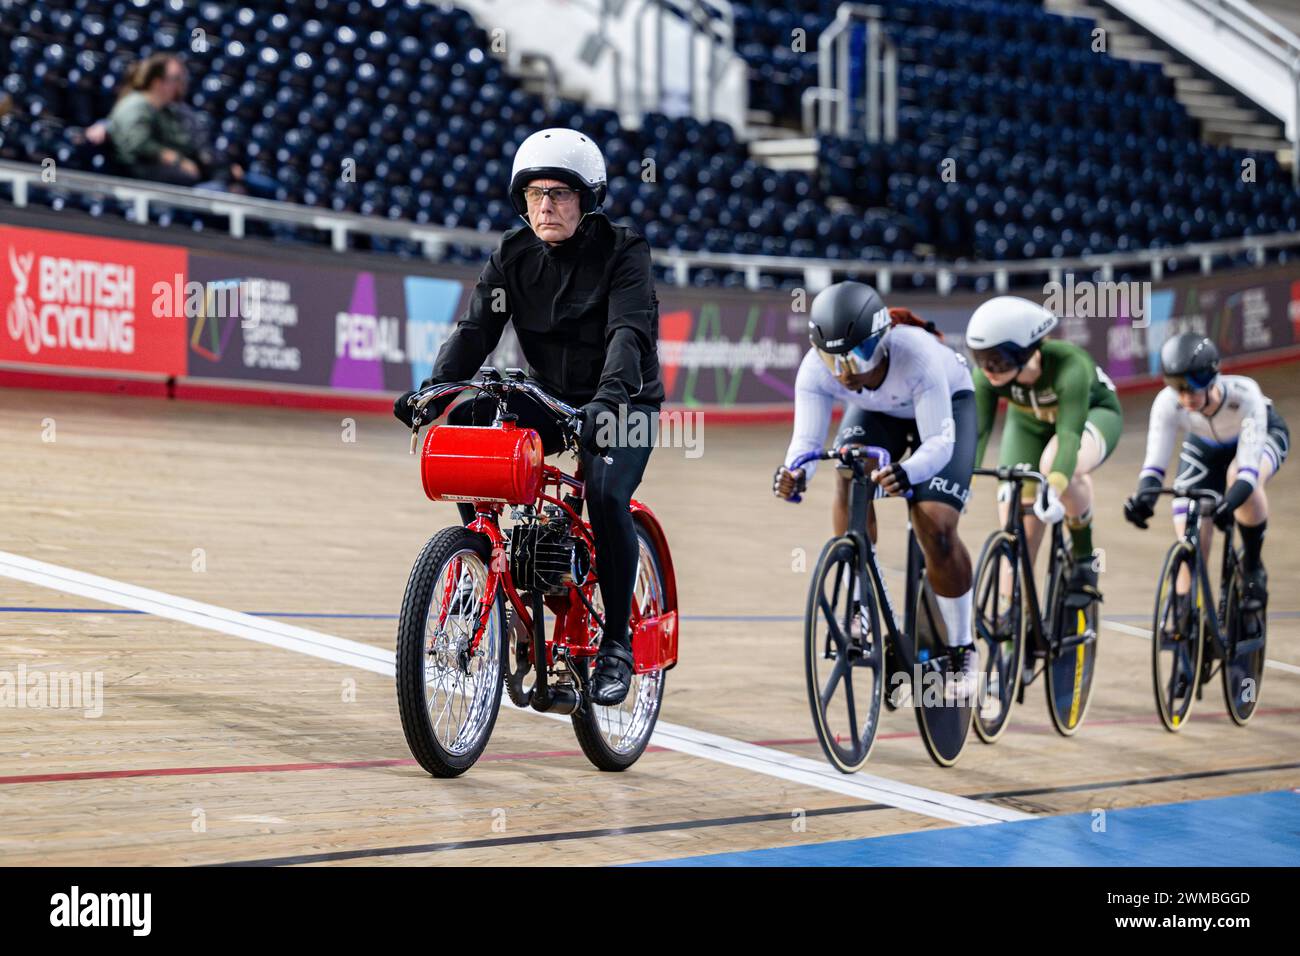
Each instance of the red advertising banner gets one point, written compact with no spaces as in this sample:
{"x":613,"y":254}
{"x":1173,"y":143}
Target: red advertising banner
{"x":79,"y":302}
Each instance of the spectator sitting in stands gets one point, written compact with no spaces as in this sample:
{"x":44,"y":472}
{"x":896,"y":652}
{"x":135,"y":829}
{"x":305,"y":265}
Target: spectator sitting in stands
{"x":148,"y":139}
{"x":156,"y":135}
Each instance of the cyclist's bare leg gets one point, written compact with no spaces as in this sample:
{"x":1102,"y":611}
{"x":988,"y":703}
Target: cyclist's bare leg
{"x":1255,"y":509}
{"x":947,"y":564}
{"x":1077,"y":497}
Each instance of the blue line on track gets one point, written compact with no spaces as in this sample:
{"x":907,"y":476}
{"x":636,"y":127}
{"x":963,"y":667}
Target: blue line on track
{"x":1257,"y":829}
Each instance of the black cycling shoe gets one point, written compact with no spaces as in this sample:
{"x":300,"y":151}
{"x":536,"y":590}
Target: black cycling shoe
{"x":613,"y":675}
{"x":1254,"y":593}
{"x":1081,"y":588}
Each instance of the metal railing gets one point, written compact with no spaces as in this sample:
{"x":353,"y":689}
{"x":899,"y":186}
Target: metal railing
{"x":713,"y":20}
{"x":22,"y":178}
{"x":834,"y":95}
{"x":1273,"y":40}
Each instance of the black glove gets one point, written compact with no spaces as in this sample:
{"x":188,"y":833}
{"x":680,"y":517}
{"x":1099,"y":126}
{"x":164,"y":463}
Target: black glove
{"x":1140,"y":506}
{"x":893,"y":478}
{"x":1234,"y":499}
{"x":800,"y":480}
{"x":1138,"y":509}
{"x":405,"y":413}
{"x":593,"y":422}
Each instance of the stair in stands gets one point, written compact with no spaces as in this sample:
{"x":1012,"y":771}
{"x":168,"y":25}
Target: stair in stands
{"x":1224,"y":117}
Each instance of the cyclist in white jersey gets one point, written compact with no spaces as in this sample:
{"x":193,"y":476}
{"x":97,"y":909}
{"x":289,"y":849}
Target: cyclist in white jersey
{"x":1236,"y":441}
{"x":903,"y":390}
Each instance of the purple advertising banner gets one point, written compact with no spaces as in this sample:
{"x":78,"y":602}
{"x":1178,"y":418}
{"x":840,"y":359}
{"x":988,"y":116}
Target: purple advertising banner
{"x":358,"y":331}
{"x":315,"y":325}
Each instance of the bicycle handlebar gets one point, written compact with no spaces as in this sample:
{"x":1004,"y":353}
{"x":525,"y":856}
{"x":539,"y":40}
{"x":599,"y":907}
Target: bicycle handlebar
{"x":491,"y":383}
{"x":846,"y":454}
{"x":1017,"y":475}
{"x":1014,"y":473}
{"x":1196,"y":494}
{"x":498,"y":388}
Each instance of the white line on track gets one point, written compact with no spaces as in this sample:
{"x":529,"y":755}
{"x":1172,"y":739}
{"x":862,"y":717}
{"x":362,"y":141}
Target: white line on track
{"x":719,"y":749}
{"x":1145,"y":634}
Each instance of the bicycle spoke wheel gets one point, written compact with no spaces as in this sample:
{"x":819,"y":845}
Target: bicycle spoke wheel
{"x":614,"y":737}
{"x":999,"y":632}
{"x":1177,"y":639}
{"x":944,"y":722}
{"x":844,"y":656}
{"x":1071,"y":655}
{"x":1243,"y":667}
{"x":449,"y":660}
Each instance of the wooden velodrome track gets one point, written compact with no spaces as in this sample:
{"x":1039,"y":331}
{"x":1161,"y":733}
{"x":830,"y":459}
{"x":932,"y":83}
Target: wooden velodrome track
{"x":213,"y":747}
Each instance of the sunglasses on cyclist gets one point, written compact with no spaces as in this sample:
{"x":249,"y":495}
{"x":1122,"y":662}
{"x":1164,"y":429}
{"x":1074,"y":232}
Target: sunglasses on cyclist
{"x":1001,"y":360}
{"x":1188,"y":384}
{"x":856,"y":361}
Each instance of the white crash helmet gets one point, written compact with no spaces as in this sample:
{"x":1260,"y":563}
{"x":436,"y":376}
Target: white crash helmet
{"x":563,"y":154}
{"x":1005,"y":331}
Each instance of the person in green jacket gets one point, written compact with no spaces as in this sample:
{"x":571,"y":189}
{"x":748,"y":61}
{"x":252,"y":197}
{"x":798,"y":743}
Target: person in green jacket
{"x":1063,"y":419}
{"x":148,"y":138}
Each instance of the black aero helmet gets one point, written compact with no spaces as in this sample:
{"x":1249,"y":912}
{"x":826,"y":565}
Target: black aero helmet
{"x":848,"y":319}
{"x":1189,"y":362}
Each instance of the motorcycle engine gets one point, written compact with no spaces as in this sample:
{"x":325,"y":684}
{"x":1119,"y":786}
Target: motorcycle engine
{"x":546,"y":557}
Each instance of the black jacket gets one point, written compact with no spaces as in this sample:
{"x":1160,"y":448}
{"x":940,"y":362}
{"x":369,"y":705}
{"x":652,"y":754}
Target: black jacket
{"x":585,"y":312}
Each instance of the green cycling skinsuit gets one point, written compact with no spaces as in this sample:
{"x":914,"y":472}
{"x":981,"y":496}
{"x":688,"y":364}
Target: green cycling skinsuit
{"x":1071,"y":396}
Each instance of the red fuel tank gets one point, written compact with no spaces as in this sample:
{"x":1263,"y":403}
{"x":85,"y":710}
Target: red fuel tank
{"x":471,"y":463}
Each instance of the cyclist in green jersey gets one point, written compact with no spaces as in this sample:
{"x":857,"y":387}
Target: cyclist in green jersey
{"x":1063,"y":419}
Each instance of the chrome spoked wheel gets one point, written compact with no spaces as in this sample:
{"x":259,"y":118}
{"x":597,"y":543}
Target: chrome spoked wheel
{"x":460,"y":674}
{"x":450,"y":654}
{"x":614,"y":737}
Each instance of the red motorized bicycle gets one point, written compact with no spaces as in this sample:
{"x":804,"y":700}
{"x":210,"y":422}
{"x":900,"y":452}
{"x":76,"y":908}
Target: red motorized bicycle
{"x":473,"y":619}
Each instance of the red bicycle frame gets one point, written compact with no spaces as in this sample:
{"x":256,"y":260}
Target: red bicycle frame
{"x":654,"y":638}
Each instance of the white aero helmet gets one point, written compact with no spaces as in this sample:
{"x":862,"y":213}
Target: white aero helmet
{"x":563,"y":154}
{"x":1005,"y":331}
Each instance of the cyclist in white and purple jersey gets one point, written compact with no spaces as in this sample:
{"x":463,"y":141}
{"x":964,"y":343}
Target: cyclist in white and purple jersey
{"x":905,"y":391}
{"x":1236,"y":441}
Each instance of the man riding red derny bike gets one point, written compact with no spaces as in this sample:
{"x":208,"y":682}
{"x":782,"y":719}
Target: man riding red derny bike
{"x":580,"y":292}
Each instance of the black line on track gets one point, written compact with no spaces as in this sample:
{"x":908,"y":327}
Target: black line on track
{"x":726,"y":821}
{"x":1134,"y":781}
{"x":548,"y":837}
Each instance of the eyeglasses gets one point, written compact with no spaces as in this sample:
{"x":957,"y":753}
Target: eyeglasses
{"x":560,"y":195}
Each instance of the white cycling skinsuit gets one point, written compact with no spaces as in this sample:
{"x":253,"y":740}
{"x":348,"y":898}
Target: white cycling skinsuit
{"x":1243,"y":428}
{"x":925,"y":405}
{"x":924,"y":376}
